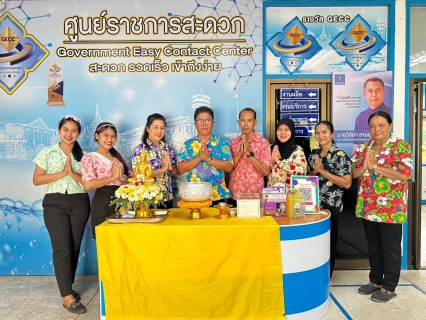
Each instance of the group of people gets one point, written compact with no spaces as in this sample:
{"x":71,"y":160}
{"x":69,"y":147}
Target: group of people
{"x":382,"y":166}
{"x":67,"y":172}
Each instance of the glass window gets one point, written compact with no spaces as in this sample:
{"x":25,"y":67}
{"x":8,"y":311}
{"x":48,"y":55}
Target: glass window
{"x":417,"y":40}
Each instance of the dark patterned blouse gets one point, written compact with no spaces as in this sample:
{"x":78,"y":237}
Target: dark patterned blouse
{"x":338,"y":163}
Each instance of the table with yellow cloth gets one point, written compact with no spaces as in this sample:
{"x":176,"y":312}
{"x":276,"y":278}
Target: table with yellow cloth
{"x":191,"y":269}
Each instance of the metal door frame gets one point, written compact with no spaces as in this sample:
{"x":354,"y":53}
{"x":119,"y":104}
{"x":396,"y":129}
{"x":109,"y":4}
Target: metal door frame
{"x":415,"y":199}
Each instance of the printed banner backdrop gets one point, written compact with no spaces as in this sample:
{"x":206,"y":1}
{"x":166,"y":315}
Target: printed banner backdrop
{"x":119,"y":62}
{"x":357,"y":103}
{"x":322,"y":40}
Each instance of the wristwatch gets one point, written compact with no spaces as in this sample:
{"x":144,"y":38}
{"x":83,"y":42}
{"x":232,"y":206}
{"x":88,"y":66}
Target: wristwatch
{"x":374,"y":167}
{"x":210,"y":158}
{"x":251,"y":154}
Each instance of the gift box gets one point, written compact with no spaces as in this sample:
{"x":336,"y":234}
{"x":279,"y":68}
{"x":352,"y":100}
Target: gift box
{"x":273,"y":201}
{"x":248,"y":205}
{"x":309,"y":190}
{"x":295,"y":204}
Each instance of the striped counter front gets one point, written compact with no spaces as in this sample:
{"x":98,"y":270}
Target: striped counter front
{"x":305,"y":252}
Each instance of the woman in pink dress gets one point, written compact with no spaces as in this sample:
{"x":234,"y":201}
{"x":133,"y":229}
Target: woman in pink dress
{"x":104,"y":170}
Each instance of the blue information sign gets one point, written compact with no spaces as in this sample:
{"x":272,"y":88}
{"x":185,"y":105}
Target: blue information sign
{"x":299,"y":105}
{"x":299,"y":93}
{"x":305,"y":131}
{"x":301,"y":118}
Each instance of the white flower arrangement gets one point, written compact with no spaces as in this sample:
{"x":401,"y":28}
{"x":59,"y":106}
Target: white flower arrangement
{"x":132,"y":196}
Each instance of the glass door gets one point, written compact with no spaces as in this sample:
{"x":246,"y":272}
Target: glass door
{"x":421,"y":163}
{"x":417,"y":205}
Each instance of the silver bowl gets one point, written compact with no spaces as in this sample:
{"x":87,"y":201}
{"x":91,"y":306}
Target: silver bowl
{"x":195,"y":191}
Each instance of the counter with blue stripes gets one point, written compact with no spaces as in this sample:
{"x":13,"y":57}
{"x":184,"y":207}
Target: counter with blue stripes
{"x":305,"y":254}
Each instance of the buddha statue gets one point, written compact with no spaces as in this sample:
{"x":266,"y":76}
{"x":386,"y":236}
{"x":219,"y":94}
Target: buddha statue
{"x":142,"y":171}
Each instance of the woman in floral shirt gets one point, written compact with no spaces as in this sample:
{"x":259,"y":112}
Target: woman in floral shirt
{"x":333,"y":168}
{"x":288,"y":158}
{"x":383,"y":167}
{"x":66,"y":206}
{"x":104,"y":170}
{"x":159,"y":154}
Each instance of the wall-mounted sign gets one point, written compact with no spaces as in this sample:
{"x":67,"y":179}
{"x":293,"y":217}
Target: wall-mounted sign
{"x":294,"y":105}
{"x":357,"y":95}
{"x":299,"y":93}
{"x":20,"y":53}
{"x":313,"y":40}
{"x":301,"y":118}
{"x":304,"y":131}
{"x":299,"y":105}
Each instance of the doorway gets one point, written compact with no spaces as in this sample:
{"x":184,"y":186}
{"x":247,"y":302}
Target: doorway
{"x":351,"y":244}
{"x":417,"y":200}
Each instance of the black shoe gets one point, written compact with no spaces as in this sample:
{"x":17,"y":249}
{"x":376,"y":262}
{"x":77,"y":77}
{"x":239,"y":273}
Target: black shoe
{"x":76,"y":295}
{"x":369,"y":288}
{"x":76,"y":307}
{"x":382,"y":296}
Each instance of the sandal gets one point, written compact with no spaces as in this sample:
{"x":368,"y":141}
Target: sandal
{"x":76,"y":307}
{"x":382,"y":296}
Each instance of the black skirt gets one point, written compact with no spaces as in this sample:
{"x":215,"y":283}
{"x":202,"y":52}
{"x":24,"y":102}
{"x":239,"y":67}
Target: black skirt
{"x":101,"y":209}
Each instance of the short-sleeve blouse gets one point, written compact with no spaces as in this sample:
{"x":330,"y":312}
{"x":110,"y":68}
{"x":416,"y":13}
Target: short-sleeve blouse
{"x":338,"y":163}
{"x":381,"y":199}
{"x":96,"y":166}
{"x":295,"y":165}
{"x":52,"y":159}
{"x":154,"y":156}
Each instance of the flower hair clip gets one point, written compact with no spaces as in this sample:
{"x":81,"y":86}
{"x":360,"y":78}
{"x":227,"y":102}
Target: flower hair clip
{"x":72,"y":117}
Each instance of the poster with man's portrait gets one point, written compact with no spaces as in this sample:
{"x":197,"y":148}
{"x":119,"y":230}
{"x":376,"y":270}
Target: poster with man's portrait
{"x":356,"y":96}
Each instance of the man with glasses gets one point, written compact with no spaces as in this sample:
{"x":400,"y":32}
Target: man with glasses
{"x":206,"y":157}
{"x":252,"y":157}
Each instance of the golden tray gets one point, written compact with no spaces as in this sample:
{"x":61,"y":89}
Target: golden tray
{"x":128,"y":217}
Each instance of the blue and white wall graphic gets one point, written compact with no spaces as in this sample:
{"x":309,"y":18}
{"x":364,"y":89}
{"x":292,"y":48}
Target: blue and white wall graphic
{"x":121,"y":62}
{"x":20,"y":53}
{"x":330,"y":39}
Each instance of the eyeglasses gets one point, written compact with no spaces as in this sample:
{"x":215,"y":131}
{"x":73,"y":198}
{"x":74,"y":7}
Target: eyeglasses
{"x":206,"y":121}
{"x":70,"y":116}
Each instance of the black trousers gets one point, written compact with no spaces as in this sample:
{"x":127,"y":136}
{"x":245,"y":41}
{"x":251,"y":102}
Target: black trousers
{"x":334,"y":230}
{"x":100,"y":206}
{"x":65,"y":217}
{"x":384,"y":252}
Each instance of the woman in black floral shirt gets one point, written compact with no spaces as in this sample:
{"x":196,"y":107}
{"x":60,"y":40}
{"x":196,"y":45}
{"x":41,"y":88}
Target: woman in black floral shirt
{"x":333,"y":168}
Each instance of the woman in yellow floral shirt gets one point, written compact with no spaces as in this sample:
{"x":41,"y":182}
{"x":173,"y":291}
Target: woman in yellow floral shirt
{"x":383,"y":167}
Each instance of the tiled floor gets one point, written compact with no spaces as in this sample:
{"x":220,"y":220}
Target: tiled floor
{"x":37,"y":297}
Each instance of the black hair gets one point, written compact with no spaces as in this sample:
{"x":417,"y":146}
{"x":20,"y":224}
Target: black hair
{"x":203,"y":109}
{"x":101,"y":128}
{"x":328,"y":124}
{"x":247,"y":109}
{"x":151,"y":118}
{"x":381,"y":114}
{"x":77,"y":152}
{"x":375,"y":79}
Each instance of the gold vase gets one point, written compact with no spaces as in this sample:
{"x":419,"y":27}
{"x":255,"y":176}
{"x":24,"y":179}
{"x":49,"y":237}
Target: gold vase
{"x":143,"y":212}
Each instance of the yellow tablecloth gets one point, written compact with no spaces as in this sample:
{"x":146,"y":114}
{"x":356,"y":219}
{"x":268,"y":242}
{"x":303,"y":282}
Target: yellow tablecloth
{"x":185,"y":269}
